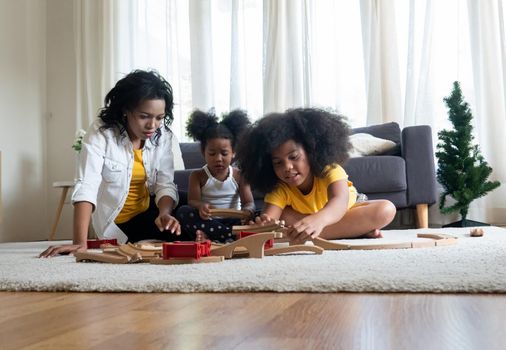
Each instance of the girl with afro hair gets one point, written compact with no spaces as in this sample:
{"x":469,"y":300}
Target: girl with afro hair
{"x":217,"y":184}
{"x":295,"y":158}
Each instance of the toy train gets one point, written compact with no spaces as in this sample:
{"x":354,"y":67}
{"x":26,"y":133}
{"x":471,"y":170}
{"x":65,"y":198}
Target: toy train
{"x":194,"y":250}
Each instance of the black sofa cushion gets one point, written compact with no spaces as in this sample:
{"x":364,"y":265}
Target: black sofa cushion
{"x":390,"y":170}
{"x":192,"y":156}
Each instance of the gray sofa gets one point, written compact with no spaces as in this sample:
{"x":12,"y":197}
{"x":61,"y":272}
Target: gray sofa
{"x":405,"y":175}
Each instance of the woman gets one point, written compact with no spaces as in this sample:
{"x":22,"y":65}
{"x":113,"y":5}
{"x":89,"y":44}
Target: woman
{"x":125,"y":178}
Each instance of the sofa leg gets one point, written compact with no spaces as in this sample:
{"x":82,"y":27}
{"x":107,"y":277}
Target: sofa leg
{"x":422,"y":216}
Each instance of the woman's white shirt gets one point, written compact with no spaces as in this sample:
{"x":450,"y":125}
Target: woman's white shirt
{"x":105,"y":171}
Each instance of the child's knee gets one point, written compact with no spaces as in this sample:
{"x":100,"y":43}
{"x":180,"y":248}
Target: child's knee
{"x":386,"y":212}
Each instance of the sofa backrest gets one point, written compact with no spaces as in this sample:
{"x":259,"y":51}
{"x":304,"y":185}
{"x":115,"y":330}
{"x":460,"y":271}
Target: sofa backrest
{"x":192,"y":156}
{"x":193,"y":159}
{"x":389,"y":131}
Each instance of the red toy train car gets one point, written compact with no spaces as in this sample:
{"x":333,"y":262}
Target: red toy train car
{"x":194,"y":250}
{"x":96,"y":243}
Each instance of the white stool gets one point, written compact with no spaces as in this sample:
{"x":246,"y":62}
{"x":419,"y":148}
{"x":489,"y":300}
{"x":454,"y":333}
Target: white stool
{"x":65,"y":186}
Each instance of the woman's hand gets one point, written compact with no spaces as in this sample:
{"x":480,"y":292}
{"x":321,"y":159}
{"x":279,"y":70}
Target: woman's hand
{"x":63,"y":250}
{"x":166,"y":222}
{"x":307,"y":228}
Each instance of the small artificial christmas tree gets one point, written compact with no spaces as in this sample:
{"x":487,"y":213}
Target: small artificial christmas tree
{"x":462,"y":171}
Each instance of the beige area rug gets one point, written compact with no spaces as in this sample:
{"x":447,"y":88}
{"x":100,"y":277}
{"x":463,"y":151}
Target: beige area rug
{"x":473,"y":265}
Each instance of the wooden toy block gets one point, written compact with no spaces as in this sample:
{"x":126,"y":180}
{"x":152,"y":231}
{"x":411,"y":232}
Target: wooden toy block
{"x":132,"y":251}
{"x":177,"y":261}
{"x":148,"y":246}
{"x":131,"y":256}
{"x":476,"y":232}
{"x":396,"y":245}
{"x":268,"y":244}
{"x":282,"y":240}
{"x":230,"y":213}
{"x":275,"y":226}
{"x":107,"y":247}
{"x":423,"y":244}
{"x":95,"y":243}
{"x":146,"y":249}
{"x":435,"y":235}
{"x":438,"y":239}
{"x":445,"y":242}
{"x":101,"y":257}
{"x":254,"y":244}
{"x":328,"y":245}
{"x":239,"y":252}
{"x":298,"y":248}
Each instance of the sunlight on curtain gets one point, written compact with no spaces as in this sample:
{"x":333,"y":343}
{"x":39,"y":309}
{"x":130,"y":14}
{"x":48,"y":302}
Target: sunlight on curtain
{"x":373,"y":61}
{"x":286,"y":71}
{"x":93,"y":57}
{"x":487,"y":43}
{"x":154,"y":34}
{"x":381,"y":61}
{"x":210,"y":51}
{"x":336,"y":54}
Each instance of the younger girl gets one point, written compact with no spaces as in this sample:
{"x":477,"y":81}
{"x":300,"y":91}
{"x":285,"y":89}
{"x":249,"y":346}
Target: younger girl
{"x":295,"y":157}
{"x":217,"y":184}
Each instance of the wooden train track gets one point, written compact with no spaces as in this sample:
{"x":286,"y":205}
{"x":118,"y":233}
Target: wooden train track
{"x":437,"y":240}
{"x":252,"y":246}
{"x":230,"y":213}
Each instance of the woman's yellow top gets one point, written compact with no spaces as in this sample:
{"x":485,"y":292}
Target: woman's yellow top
{"x":138,"y":194}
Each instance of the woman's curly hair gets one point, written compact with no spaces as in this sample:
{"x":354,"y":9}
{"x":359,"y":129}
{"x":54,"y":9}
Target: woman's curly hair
{"x":202,"y":126}
{"x":324,"y":136}
{"x":132,"y":90}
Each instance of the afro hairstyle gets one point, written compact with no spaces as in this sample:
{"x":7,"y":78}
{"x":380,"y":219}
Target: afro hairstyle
{"x":323,"y":135}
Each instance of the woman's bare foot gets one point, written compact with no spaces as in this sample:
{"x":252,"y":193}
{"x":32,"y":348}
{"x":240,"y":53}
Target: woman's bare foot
{"x":200,"y":236}
{"x":373,"y":234}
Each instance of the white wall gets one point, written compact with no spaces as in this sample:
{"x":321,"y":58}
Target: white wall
{"x":37,"y":123}
{"x":22,"y":119}
{"x":61,"y":101}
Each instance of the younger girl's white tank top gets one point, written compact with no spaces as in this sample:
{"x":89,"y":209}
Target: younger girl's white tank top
{"x":221,"y":194}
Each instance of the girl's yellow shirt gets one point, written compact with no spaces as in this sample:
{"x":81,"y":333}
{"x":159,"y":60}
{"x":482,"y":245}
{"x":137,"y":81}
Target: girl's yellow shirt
{"x":284,"y":195}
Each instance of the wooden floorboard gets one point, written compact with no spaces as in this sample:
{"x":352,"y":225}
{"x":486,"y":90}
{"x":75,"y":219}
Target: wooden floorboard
{"x":251,"y":321}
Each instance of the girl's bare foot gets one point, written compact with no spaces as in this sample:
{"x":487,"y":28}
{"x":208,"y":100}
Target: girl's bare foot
{"x":200,"y":236}
{"x":373,"y":234}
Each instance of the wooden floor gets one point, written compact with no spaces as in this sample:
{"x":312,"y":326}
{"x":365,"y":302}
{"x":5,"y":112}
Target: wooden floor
{"x":251,"y":321}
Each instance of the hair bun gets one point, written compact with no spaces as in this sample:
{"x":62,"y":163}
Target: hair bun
{"x":199,"y":122}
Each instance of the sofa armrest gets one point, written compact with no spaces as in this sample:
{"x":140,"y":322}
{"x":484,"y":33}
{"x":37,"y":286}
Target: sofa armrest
{"x":418,"y":152}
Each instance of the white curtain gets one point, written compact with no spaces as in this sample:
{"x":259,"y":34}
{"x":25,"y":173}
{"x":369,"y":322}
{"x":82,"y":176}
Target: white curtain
{"x":381,"y":57}
{"x":373,"y":61}
{"x":107,"y":47}
{"x":287,"y":65}
{"x":488,"y":45}
{"x":418,"y":98}
{"x":93,"y":23}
